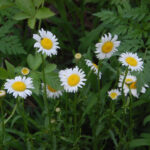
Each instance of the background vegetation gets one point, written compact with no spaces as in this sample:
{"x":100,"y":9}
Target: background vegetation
{"x":78,"y":24}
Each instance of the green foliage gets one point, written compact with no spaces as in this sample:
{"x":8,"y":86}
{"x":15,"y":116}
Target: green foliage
{"x":89,"y":119}
{"x":34,"y":62}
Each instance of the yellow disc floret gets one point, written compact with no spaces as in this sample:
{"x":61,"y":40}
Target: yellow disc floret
{"x":131,"y":61}
{"x":107,"y":47}
{"x":128,"y":80}
{"x":25,"y":71}
{"x":133,"y":85}
{"x":19,"y":86}
{"x":73,"y":79}
{"x":95,"y":66}
{"x":51,"y":89}
{"x":46,"y":43}
{"x":113,"y":95}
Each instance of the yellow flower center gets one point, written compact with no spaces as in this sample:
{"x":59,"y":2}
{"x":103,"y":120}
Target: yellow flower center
{"x":19,"y":86}
{"x":51,"y":89}
{"x":107,"y":47}
{"x":113,"y":95}
{"x":95,"y":66}
{"x":131,"y":61}
{"x":46,"y":43}
{"x":73,"y":79}
{"x":128,"y":80}
{"x":133,"y":85}
{"x":25,"y":71}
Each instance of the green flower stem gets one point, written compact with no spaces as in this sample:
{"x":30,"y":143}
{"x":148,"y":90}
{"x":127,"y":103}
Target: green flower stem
{"x":47,"y":119}
{"x":20,"y":103}
{"x":123,"y":101}
{"x":2,"y":124}
{"x":122,"y":92}
{"x":11,"y":115}
{"x":130,"y":108}
{"x":75,"y":114}
{"x":47,"y":123}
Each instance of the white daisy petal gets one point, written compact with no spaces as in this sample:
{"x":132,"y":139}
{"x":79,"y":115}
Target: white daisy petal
{"x":107,"y":47}
{"x":132,"y":61}
{"x":130,"y":84}
{"x":46,"y":43}
{"x":93,"y":67}
{"x":20,"y":86}
{"x":52,"y":93}
{"x":114,"y":93}
{"x":72,"y":79}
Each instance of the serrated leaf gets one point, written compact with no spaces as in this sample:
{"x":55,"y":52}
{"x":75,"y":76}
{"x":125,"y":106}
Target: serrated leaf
{"x":34,"y":62}
{"x":43,"y":13}
{"x":50,"y":67}
{"x":21,"y":16}
{"x":26,"y":6}
{"x":53,"y":80}
{"x":31,"y":22}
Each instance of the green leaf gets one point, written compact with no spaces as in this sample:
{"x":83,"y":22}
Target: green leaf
{"x":31,"y":22}
{"x":113,"y":137}
{"x":26,"y":6}
{"x":53,"y":80}
{"x":3,"y":73}
{"x":34,"y":62}
{"x":146,"y":120}
{"x":36,"y":82}
{"x":5,"y":4}
{"x":37,"y":3}
{"x":140,"y":142}
{"x":50,"y":67}
{"x":87,"y":40}
{"x":10,"y":69}
{"x":21,"y":16}
{"x":44,"y":13}
{"x":92,"y":100}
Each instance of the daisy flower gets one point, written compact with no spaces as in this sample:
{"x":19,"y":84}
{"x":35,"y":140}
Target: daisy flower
{"x":132,"y":61}
{"x":93,"y":67}
{"x":25,"y":71}
{"x":107,"y":46}
{"x":2,"y":93}
{"x":72,"y":79}
{"x":114,"y":93}
{"x":46,"y":42}
{"x":130,"y":84}
{"x":52,"y":93}
{"x":20,"y":86}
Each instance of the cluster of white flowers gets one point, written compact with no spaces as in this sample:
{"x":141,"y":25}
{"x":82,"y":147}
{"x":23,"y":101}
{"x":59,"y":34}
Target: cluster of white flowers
{"x":74,"y":78}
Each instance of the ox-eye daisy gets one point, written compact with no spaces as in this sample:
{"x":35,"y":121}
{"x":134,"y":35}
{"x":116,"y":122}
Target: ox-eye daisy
{"x":2,"y":93}
{"x":130,"y":84}
{"x":25,"y":71}
{"x":107,"y":46}
{"x":93,"y":67}
{"x":114,"y":93}
{"x":132,"y":61}
{"x":72,"y":79}
{"x":52,"y":93}
{"x":20,"y":86}
{"x":46,"y":42}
